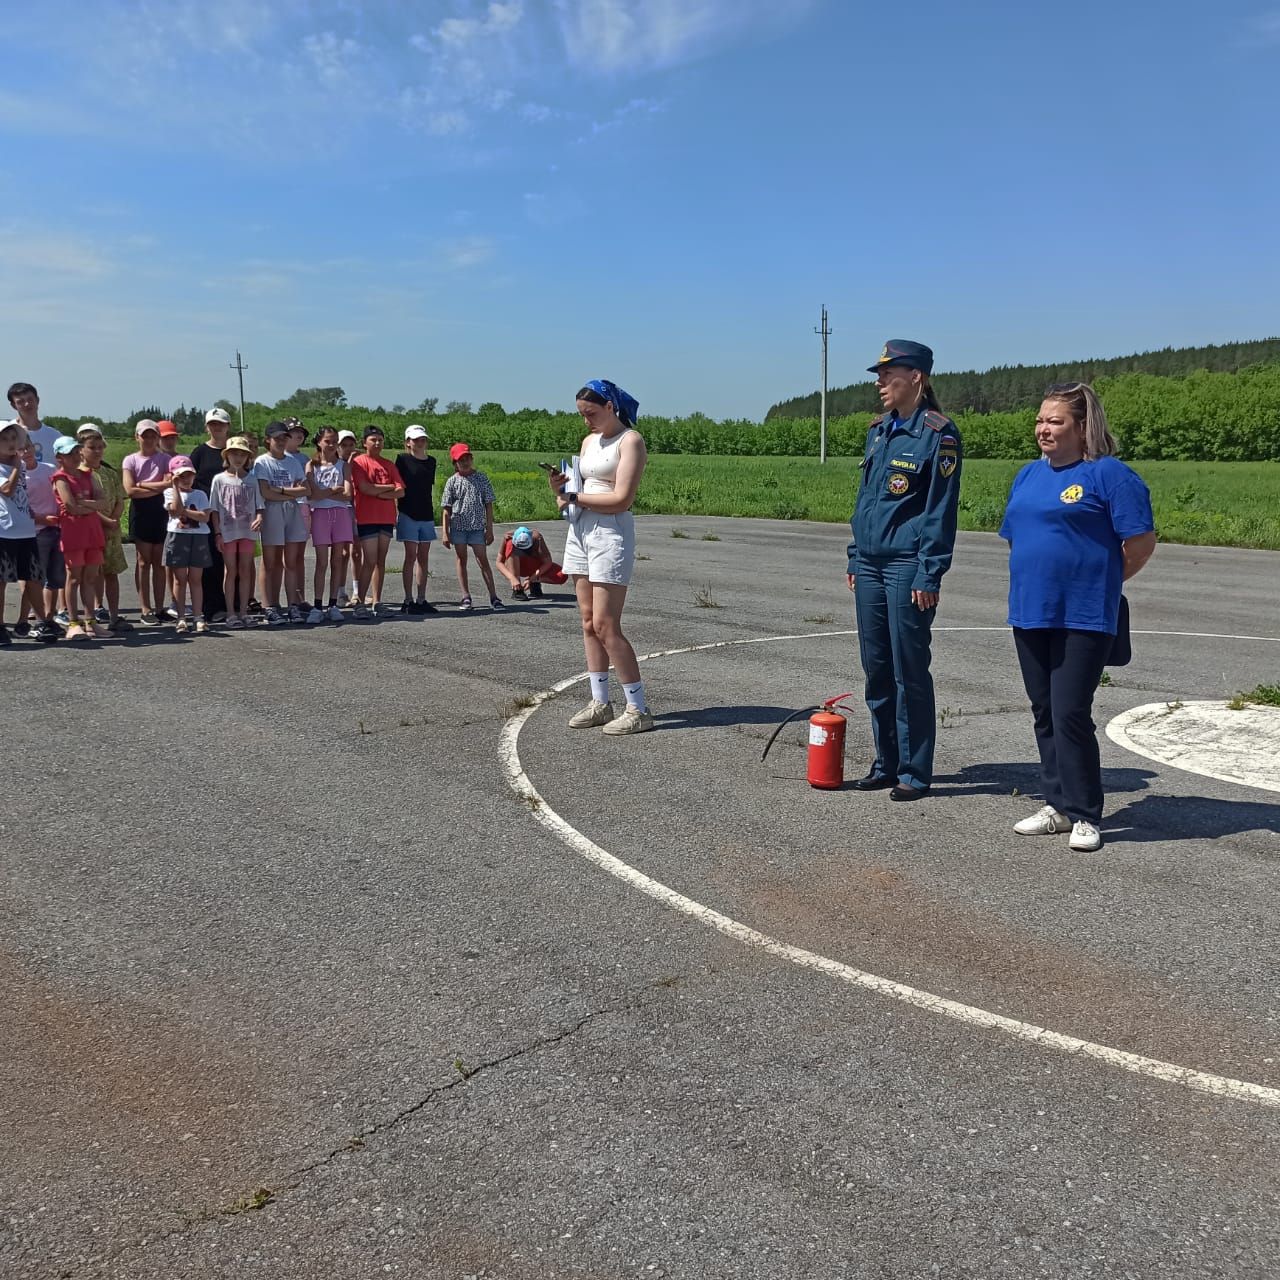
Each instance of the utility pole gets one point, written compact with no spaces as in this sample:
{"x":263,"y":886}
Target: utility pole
{"x":240,"y":366}
{"x":825,"y":333}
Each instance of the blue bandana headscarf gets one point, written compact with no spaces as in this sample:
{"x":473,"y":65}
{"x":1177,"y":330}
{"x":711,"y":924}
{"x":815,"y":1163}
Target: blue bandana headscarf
{"x":626,"y":407}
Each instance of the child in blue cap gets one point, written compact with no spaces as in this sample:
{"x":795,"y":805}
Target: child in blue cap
{"x":525,"y":561}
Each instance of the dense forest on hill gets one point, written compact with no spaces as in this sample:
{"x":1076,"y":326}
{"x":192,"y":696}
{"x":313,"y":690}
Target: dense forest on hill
{"x":1006,"y":388}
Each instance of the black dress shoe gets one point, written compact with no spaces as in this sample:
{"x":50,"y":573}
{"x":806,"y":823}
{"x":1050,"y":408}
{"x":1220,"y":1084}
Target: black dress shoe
{"x":904,"y":791}
{"x":872,"y":782}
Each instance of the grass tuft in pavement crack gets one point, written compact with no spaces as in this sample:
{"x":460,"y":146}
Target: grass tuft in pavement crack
{"x":1267,"y":695}
{"x":249,"y":1204}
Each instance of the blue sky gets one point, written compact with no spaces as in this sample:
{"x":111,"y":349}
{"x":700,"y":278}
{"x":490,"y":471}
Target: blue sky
{"x":498,"y":200}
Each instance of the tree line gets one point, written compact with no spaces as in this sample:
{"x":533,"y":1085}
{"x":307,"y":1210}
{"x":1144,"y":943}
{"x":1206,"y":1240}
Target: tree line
{"x":1005,"y":388}
{"x":1222,"y":417}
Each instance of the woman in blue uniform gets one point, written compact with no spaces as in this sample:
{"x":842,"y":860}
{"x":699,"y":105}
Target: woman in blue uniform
{"x":904,"y":530}
{"x":1078,"y":524}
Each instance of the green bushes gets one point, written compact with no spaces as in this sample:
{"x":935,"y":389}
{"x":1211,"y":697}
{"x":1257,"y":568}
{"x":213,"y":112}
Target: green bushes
{"x":1222,"y":417}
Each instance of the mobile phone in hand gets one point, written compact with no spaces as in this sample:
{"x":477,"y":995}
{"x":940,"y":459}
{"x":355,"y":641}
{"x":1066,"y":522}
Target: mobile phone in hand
{"x":550,"y":468}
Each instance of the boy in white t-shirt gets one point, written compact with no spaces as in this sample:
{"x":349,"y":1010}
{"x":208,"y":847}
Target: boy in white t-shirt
{"x":25,"y":400}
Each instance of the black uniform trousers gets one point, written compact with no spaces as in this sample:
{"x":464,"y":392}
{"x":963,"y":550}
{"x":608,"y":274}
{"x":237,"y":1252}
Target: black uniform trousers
{"x":1061,"y":668}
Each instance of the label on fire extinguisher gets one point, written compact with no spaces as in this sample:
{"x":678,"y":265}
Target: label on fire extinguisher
{"x":818,"y":735}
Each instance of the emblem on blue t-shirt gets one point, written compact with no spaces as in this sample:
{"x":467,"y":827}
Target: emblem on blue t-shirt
{"x":1072,"y":493}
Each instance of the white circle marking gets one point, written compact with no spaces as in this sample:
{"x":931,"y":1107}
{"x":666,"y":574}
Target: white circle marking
{"x":1153,"y":1068}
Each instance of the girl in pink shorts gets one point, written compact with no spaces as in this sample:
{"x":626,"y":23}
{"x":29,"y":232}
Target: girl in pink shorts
{"x":332,"y":523}
{"x":236,"y":503}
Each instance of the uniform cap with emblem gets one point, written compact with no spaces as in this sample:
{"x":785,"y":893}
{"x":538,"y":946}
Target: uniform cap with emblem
{"x":914,"y":355}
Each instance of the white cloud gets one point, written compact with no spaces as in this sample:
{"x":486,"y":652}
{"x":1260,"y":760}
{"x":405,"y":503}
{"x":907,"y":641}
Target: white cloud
{"x":553,"y":209}
{"x":499,"y":18}
{"x":331,"y":56}
{"x":28,"y":254}
{"x":470,"y":251}
{"x":263,"y":79}
{"x":634,"y":35}
{"x":628,"y":110}
{"x":1264,"y":29}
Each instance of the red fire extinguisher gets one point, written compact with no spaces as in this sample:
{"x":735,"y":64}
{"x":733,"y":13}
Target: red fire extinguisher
{"x":826,"y":742}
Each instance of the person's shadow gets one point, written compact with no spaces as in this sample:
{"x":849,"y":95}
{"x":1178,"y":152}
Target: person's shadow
{"x":1154,"y":818}
{"x":1023,"y":778}
{"x":720,"y":717}
{"x":1144,"y":819}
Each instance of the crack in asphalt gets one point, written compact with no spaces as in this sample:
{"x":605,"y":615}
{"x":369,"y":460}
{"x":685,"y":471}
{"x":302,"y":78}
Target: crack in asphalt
{"x":264,"y":1195}
{"x":464,"y":1074}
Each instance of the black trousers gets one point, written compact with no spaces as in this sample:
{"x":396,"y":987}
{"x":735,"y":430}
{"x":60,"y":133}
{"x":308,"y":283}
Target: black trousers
{"x":1060,"y":671}
{"x":212,"y":578}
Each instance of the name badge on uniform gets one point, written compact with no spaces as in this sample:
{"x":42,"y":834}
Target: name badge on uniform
{"x":898,"y":485}
{"x":905,"y":463}
{"x":1072,"y":493}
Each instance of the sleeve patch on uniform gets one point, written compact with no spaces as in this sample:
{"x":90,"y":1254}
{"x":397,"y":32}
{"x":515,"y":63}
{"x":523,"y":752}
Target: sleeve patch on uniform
{"x":946,"y":464}
{"x":948,"y":441}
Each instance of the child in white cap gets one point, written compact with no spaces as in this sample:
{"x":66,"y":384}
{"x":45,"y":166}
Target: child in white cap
{"x":186,"y":543}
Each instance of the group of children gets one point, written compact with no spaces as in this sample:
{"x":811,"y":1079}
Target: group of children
{"x":197,"y":521}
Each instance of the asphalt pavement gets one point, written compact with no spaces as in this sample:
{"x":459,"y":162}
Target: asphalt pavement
{"x":294,"y":984}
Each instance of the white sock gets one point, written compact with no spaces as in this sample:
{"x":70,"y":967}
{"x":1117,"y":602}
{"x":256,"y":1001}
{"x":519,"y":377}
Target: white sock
{"x":635,"y":695}
{"x":599,"y":685}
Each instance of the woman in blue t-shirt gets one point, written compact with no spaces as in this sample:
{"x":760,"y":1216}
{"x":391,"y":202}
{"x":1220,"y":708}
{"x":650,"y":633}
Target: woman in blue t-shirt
{"x":1078,"y":524}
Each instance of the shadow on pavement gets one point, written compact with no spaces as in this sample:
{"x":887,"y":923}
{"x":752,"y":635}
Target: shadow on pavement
{"x":1024,"y":779}
{"x":708,"y":717}
{"x":1189,"y":818}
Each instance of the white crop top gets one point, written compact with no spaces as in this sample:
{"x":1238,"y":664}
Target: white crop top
{"x":598,"y":462}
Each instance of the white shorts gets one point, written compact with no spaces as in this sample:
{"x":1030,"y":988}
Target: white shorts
{"x":602,"y":547}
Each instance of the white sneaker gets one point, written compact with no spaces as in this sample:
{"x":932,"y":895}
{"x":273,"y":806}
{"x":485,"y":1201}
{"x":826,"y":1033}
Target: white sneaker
{"x":315,"y":616}
{"x":592,"y":715}
{"x":632,"y":720}
{"x":1085,"y":837}
{"x":1048,"y":822}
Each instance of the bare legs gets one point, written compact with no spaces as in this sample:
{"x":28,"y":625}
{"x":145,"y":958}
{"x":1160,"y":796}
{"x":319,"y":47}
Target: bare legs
{"x":148,"y":575}
{"x":601,"y":608}
{"x":373,"y":566}
{"x":336,"y":563}
{"x":415,"y":558}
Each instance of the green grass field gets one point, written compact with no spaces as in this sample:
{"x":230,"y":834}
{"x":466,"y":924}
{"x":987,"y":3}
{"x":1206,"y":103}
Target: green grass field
{"x":1225,"y":504}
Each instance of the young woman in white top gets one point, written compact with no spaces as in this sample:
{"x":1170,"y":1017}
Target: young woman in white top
{"x":600,"y":551}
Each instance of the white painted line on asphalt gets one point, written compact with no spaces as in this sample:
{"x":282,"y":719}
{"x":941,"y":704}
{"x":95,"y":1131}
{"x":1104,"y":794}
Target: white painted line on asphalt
{"x":1205,"y":738}
{"x":1153,"y":1068}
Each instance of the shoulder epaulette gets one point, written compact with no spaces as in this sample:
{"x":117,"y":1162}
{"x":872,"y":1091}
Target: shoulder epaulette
{"x":875,"y":422}
{"x":937,"y":421}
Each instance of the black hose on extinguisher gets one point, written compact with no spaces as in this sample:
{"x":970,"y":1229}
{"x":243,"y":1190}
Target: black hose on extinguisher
{"x":804,"y":711}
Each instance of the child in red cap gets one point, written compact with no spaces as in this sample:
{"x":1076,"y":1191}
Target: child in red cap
{"x":466,"y":507}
